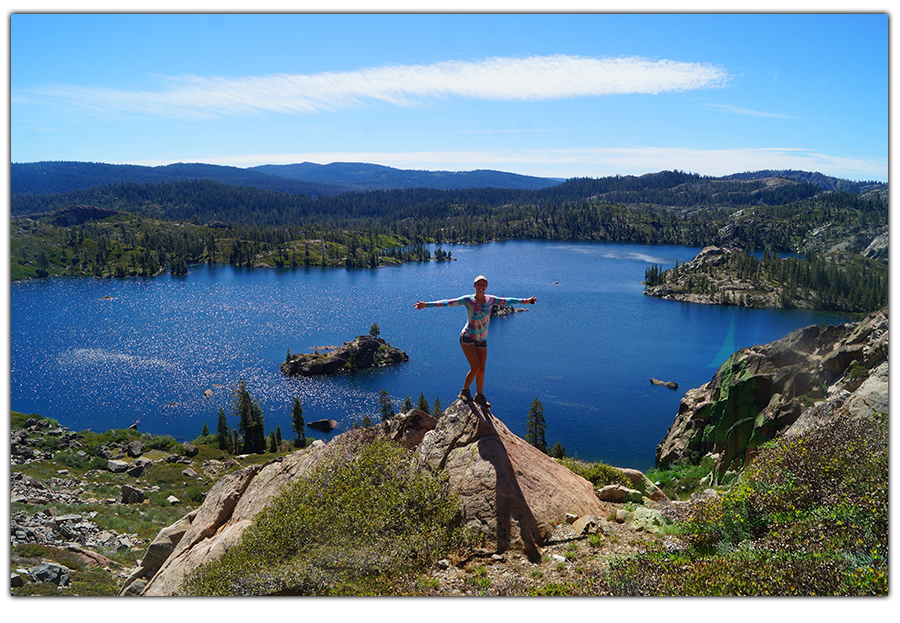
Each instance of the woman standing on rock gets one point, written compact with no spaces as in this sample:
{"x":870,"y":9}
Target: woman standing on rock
{"x":473,"y":338}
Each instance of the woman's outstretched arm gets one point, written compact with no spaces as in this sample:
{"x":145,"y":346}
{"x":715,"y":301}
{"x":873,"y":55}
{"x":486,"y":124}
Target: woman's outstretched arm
{"x":510,"y":300}
{"x":442,"y":303}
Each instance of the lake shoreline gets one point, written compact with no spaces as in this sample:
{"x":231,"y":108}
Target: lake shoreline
{"x":152,"y":351}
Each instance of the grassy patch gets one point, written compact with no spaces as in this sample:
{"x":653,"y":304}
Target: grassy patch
{"x":599,"y":474}
{"x":678,"y":481}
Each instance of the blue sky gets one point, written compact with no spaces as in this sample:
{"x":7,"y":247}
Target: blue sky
{"x":548,"y":95}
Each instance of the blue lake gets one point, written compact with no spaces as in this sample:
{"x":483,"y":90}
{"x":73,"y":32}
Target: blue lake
{"x":101,"y":354}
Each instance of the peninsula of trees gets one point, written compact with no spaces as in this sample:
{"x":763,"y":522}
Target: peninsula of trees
{"x":838,"y":282}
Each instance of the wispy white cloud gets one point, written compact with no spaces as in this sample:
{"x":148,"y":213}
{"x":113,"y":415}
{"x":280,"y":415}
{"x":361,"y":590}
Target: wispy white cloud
{"x":584,"y":162}
{"x":495,"y":79}
{"x":746,"y":111}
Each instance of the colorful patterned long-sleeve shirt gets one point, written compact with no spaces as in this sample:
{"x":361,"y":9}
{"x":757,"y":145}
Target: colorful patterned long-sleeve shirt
{"x":479,"y":313}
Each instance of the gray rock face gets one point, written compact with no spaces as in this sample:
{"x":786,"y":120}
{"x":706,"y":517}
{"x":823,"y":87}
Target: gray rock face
{"x":511,"y":492}
{"x":763,"y":391}
{"x":51,"y":572}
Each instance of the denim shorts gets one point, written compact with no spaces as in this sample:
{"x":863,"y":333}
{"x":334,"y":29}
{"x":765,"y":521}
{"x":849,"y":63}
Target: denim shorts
{"x":465,"y":339}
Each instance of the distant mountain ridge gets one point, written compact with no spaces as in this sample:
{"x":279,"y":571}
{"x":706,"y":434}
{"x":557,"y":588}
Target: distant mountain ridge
{"x":65,"y":177}
{"x":313,"y":179}
{"x":362,"y":176}
{"x":304,"y":178}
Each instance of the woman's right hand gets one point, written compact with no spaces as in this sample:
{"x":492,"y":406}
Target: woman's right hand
{"x":420,"y":305}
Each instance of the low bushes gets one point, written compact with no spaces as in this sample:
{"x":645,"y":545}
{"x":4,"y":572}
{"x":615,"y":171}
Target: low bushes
{"x":353,"y":526}
{"x":808,"y":517}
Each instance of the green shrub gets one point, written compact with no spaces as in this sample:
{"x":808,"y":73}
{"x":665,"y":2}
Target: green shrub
{"x":555,"y":589}
{"x":70,"y":459}
{"x":92,"y":441}
{"x":680,"y":480}
{"x":599,"y":474}
{"x":808,"y":517}
{"x":360,"y":520}
{"x":478,"y":579}
{"x":166,"y":443}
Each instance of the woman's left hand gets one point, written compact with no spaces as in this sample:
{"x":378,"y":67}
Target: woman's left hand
{"x":532,"y":300}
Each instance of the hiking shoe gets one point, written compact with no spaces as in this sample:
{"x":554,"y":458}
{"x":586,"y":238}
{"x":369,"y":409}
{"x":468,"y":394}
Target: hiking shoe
{"x":480,"y":399}
{"x":465,"y":394}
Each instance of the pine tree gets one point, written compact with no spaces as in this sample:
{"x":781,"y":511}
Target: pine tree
{"x":297,"y":423}
{"x":423,"y":404}
{"x":273,"y":443}
{"x":255,"y":440}
{"x":242,"y":408}
{"x":407,"y":405}
{"x":223,"y":437}
{"x":557,"y":451}
{"x":205,"y":431}
{"x":387,"y":408}
{"x":436,"y":410}
{"x":534,"y":426}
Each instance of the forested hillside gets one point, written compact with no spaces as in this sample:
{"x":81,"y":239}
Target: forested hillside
{"x":171,"y":224}
{"x":305,"y":178}
{"x":825,"y":182}
{"x":62,"y":177}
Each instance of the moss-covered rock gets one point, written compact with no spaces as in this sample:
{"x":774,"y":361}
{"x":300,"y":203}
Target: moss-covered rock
{"x":759,"y":392}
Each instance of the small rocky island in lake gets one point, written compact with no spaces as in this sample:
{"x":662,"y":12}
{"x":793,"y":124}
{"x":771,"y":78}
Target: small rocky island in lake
{"x":363,"y":352}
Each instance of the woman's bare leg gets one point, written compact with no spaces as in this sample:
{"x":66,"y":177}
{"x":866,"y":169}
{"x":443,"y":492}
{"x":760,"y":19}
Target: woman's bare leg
{"x":477,"y":358}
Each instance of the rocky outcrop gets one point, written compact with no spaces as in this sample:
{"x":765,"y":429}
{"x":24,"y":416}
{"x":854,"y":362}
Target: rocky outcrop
{"x":511,"y":494}
{"x":76,"y":215}
{"x":764,"y":391}
{"x":217,"y":524}
{"x":323,"y":426}
{"x":707,"y":280}
{"x":502,"y":311}
{"x":363,"y":352}
{"x":725,"y":276}
{"x":74,"y":533}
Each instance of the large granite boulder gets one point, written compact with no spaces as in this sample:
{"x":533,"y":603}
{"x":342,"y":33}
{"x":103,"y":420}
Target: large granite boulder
{"x":228,"y":509}
{"x":511,"y":493}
